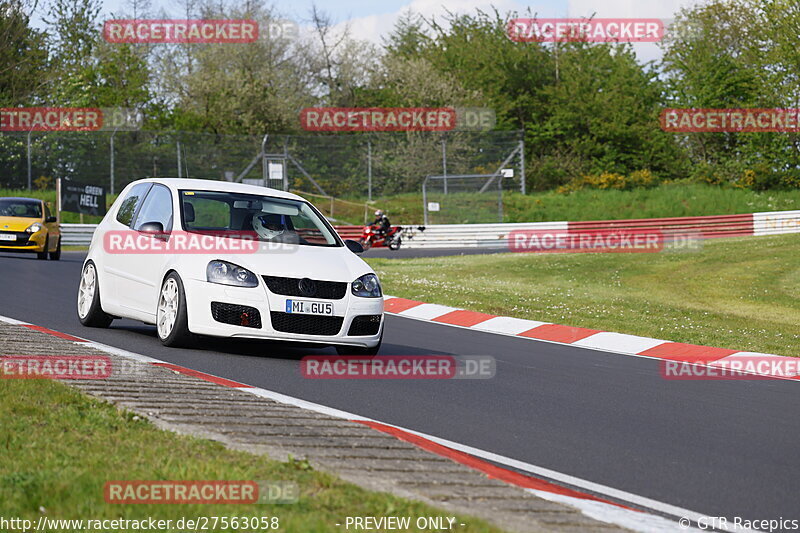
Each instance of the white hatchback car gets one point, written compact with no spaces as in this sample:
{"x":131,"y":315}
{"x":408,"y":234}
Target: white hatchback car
{"x":201,"y":257}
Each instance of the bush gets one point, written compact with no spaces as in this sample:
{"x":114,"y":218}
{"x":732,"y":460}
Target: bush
{"x":757,"y":177}
{"x":611,"y":180}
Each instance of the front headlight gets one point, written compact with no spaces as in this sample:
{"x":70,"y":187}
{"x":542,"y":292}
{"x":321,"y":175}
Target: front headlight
{"x":33,"y":228}
{"x":229,"y":274}
{"x":367,"y":286}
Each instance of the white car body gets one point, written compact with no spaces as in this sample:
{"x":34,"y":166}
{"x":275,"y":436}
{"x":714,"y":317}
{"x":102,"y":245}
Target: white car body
{"x":130,"y":284}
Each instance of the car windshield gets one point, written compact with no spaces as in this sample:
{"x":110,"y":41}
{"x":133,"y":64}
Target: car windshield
{"x":20,"y":208}
{"x":265,"y":218}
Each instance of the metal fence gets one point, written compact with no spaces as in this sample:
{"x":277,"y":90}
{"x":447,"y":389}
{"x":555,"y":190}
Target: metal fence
{"x":497,"y":235}
{"x":340,"y":165}
{"x":463,"y":199}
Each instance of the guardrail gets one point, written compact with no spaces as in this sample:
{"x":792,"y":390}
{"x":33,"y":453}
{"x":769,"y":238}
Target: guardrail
{"x":707,"y":227}
{"x":77,"y":234}
{"x":496,"y":235}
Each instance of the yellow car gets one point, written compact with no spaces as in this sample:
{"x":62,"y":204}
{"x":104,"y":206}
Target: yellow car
{"x":26,"y":225}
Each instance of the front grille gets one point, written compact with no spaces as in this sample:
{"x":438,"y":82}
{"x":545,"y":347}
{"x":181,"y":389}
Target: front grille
{"x":328,"y":290}
{"x":365,"y":325}
{"x":238,"y":315}
{"x":306,"y":324}
{"x":21,"y":238}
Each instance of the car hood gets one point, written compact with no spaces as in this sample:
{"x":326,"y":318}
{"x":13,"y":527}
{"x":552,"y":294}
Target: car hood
{"x":315,"y":262}
{"x":17,"y":223}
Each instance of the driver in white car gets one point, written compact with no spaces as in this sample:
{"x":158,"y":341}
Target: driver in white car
{"x":269,"y":226}
{"x":272,"y":227}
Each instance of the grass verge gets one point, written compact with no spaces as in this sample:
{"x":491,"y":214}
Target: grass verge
{"x":668,"y":200}
{"x":59,"y":447}
{"x":735,"y":293}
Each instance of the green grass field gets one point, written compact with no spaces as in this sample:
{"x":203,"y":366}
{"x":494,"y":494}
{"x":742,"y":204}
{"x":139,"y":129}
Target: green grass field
{"x":670,"y":200}
{"x":736,"y":293}
{"x":58,"y":448}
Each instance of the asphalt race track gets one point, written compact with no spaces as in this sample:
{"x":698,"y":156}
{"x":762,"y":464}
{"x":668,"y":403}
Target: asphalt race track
{"x":721,"y":448}
{"x":405,"y":253}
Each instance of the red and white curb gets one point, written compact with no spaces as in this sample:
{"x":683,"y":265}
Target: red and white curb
{"x":605,"y":341}
{"x":596,"y":501}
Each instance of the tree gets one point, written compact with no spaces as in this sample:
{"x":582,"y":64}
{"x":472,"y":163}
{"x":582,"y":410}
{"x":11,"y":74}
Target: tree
{"x":23,"y":55}
{"x":408,"y":37}
{"x":476,"y":51}
{"x":250,"y":88}
{"x":338,"y":63}
{"x":603,"y":111}
{"x":735,"y":54}
{"x":72,"y":39}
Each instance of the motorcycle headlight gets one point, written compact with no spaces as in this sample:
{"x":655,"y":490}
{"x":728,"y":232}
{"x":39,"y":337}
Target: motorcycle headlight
{"x":367,"y":286}
{"x":33,"y":228}
{"x":229,"y":274}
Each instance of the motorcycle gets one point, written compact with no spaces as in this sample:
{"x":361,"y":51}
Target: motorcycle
{"x":370,"y":238}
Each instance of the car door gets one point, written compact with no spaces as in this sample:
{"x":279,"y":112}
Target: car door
{"x":144,"y":270}
{"x":115,"y":264}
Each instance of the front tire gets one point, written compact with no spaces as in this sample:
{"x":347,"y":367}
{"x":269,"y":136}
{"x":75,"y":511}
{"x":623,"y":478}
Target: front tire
{"x":90,"y":312}
{"x":172,"y":322}
{"x":43,"y":254}
{"x":56,"y":255}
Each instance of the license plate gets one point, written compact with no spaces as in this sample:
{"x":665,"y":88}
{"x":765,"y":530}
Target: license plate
{"x":7,"y":237}
{"x":305,"y":307}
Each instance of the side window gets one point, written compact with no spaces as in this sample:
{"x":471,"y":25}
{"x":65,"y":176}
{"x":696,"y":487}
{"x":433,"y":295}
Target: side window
{"x":157,"y":207}
{"x":46,"y":211}
{"x":128,"y":207}
{"x":206,"y":212}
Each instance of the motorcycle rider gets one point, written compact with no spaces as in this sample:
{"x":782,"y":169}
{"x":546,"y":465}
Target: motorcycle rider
{"x":382,"y":222}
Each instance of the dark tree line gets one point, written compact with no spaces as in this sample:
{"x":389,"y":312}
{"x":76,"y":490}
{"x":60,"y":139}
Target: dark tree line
{"x":583,"y":108}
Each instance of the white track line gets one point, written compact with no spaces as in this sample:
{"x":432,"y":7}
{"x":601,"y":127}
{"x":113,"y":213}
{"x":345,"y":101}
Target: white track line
{"x":13,"y":321}
{"x":588,"y":344}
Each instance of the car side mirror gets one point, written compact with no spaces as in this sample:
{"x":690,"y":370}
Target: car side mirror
{"x":354,"y":246}
{"x":48,"y":220}
{"x":156,"y":229}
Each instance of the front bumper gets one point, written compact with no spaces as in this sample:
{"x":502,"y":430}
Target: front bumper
{"x":200,"y":295}
{"x":24,"y":242}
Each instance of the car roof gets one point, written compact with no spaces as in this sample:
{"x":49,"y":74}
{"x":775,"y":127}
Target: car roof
{"x":216,"y":185}
{"x":22,"y":198}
